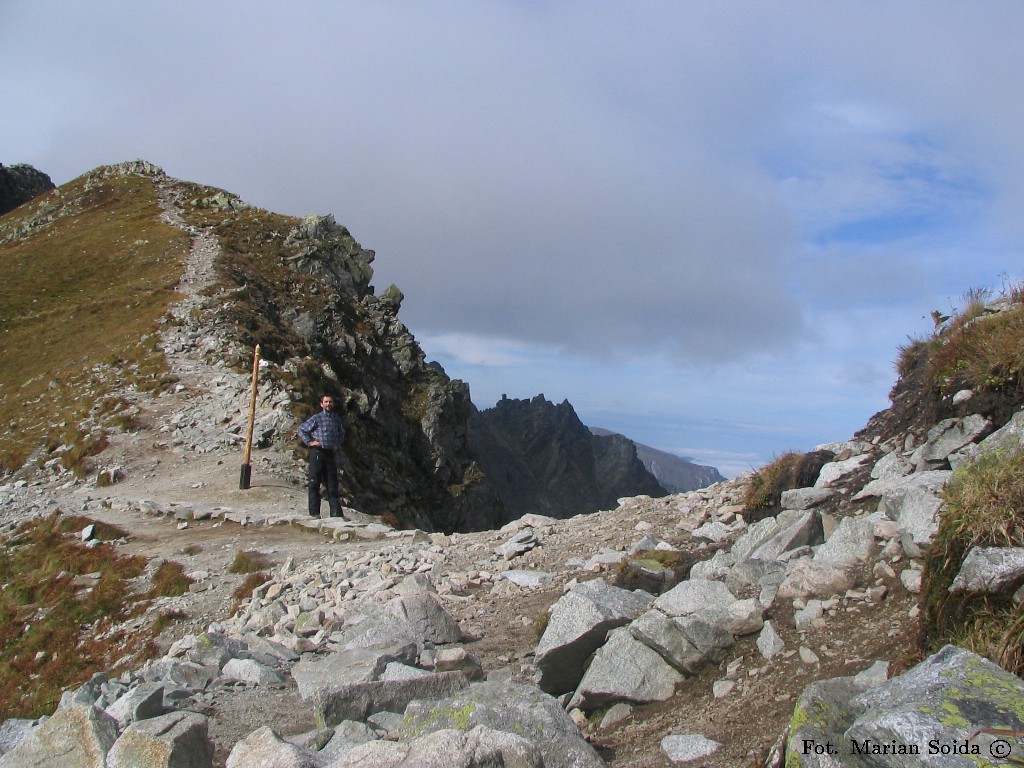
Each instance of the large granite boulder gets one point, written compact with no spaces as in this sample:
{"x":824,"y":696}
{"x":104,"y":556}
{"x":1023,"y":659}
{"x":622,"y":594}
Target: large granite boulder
{"x":518,"y":709}
{"x":577,"y":627}
{"x":914,"y":503}
{"x":175,"y":740}
{"x":625,"y":669}
{"x":263,"y":747}
{"x":479,"y":747}
{"x":357,"y":701}
{"x":78,"y":735}
{"x":937,"y":714}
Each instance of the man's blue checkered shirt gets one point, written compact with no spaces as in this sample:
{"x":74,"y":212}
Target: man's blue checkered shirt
{"x":325,"y":427}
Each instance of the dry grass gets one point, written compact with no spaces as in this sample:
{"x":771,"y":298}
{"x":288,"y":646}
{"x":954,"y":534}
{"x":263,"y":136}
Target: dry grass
{"x":78,"y":307}
{"x":59,"y":606}
{"x":169,"y":580}
{"x":785,"y":472}
{"x":245,"y":589}
{"x":248,"y":561}
{"x":971,"y":349}
{"x":984,"y":507}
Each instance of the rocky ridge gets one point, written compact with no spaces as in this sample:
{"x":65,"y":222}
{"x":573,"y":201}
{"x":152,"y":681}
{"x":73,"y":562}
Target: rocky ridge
{"x":675,"y":473}
{"x":19,"y":184}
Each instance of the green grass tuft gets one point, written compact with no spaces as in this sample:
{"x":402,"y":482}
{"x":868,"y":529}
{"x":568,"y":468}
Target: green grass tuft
{"x":984,"y":507}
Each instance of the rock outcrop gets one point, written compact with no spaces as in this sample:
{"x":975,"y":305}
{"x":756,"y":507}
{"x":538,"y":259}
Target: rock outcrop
{"x":20,"y":183}
{"x":299,"y":288}
{"x":540,"y":458}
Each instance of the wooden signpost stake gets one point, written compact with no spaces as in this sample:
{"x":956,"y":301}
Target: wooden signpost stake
{"x":243,"y":482}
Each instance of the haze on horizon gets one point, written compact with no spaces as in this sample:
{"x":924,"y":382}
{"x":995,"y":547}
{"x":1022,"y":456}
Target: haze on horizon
{"x":708,"y":225}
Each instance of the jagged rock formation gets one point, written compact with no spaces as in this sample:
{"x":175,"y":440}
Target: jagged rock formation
{"x":20,"y":183}
{"x":674,"y":473}
{"x":540,"y":458}
{"x":301,"y":290}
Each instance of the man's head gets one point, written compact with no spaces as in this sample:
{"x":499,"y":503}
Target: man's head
{"x":327,"y":402}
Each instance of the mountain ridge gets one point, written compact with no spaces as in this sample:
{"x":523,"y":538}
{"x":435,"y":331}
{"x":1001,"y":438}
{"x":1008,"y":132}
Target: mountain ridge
{"x":677,"y":474}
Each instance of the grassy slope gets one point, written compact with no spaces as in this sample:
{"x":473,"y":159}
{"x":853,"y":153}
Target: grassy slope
{"x":79,"y":300}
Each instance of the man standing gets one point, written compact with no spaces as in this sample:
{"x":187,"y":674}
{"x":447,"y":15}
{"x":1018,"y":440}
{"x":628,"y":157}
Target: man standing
{"x":323,"y":433}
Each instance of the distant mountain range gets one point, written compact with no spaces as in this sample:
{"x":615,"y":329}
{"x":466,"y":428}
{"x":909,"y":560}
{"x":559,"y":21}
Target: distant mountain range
{"x":539,"y":457}
{"x":675,"y":473}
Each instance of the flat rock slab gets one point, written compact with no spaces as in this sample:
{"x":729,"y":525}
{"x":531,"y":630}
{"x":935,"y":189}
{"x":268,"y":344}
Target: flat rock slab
{"x":357,"y":701}
{"x":528,"y":579}
{"x":513,"y":708}
{"x":480,"y":747}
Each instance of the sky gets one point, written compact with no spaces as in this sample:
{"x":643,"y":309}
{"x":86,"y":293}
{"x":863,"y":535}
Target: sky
{"x":708,"y":225}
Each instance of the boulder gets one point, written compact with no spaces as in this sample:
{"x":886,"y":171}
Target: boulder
{"x":816,"y":578}
{"x":357,"y":701}
{"x":806,"y":498}
{"x":625,"y":669}
{"x":769,"y":643}
{"x":990,"y":569}
{"x":357,"y":665}
{"x":175,"y":740}
{"x":946,"y":437}
{"x":263,"y":747}
{"x":800,"y":531}
{"x":694,"y":596}
{"x":578,"y":624}
{"x":479,"y":747}
{"x":140,"y":703}
{"x":458,"y":659}
{"x":528,"y":579}
{"x":513,"y":708}
{"x":711,"y":640}
{"x":837,"y":471}
{"x":933,"y":715}
{"x":851,"y":543}
{"x":914,"y":502}
{"x":250,"y":671}
{"x":663,"y":635}
{"x":347,"y":735}
{"x":77,"y":736}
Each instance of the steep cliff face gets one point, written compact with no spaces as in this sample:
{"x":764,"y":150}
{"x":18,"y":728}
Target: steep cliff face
{"x":20,"y":183}
{"x":541,"y":458}
{"x":300,"y":288}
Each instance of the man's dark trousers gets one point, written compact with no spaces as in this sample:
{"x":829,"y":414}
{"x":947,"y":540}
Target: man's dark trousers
{"x":323,"y":470}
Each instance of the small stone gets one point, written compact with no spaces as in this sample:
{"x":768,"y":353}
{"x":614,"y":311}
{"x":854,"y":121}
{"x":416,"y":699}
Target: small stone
{"x":616,"y":714}
{"x":721,"y":688}
{"x":807,"y":656}
{"x":688,"y":749}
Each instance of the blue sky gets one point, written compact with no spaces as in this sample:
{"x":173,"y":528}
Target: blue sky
{"x":708,"y":225}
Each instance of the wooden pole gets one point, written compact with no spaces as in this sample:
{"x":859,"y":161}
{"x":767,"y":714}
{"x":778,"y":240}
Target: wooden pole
{"x":243,"y":482}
